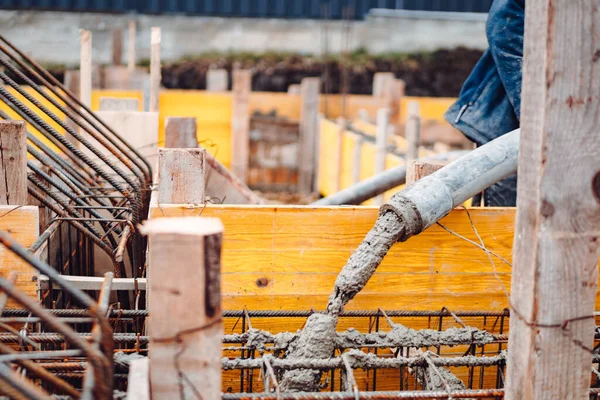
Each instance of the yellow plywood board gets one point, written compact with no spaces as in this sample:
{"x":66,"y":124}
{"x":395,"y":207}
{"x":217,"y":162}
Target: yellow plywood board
{"x":22,"y":224}
{"x":392,"y":161}
{"x":349,"y":143}
{"x":120,"y":94}
{"x":285,"y":105}
{"x":328,"y":162}
{"x":298,"y":252}
{"x":335,"y":105}
{"x":213,"y":115}
{"x":367,"y":163}
{"x":431,"y":108}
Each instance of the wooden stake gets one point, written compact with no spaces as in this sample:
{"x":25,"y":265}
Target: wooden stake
{"x":383,"y":121}
{"x":416,"y":170}
{"x":85,"y":68}
{"x":13,"y":163}
{"x":184,"y":296}
{"x":117,"y":47}
{"x":217,"y":80}
{"x":138,"y":384}
{"x":413,"y":131}
{"x":381,"y":83}
{"x":155,"y":74}
{"x":555,"y":256}
{"x":181,"y":176}
{"x":240,"y":123}
{"x":180,"y":132}
{"x":131,"y":47}
{"x":309,"y":132}
{"x":119,"y":104}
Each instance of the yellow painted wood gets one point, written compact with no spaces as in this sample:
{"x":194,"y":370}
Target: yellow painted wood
{"x":285,"y":105}
{"x":367,"y":163}
{"x":393,"y":161}
{"x":98,"y":93}
{"x":431,"y":108}
{"x":289,"y":257}
{"x":349,"y":143}
{"x":327,"y":171}
{"x":22,"y":224}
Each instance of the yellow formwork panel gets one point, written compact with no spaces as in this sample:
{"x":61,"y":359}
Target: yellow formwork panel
{"x":285,"y":105}
{"x":431,"y":108}
{"x":367,"y":164}
{"x":392,"y":161}
{"x":120,"y":94}
{"x":349,"y":143}
{"x":213,"y":115}
{"x":37,"y":96}
{"x":327,"y":172}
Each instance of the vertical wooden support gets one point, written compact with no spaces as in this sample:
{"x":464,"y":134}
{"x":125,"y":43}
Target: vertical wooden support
{"x":363,"y":115}
{"x":13,"y":163}
{"x":131,"y":47}
{"x":416,"y":170}
{"x":413,"y":131}
{"x":339,"y":149}
{"x":381,"y":83}
{"x":184,"y":296}
{"x":217,"y":80}
{"x":85,"y":68}
{"x":309,"y":134}
{"x":357,"y":160}
{"x":155,"y":75}
{"x":117,"y":47}
{"x":119,"y":104}
{"x":181,"y":176}
{"x":555,"y":252}
{"x":383,"y":122}
{"x":240,"y":123}
{"x":138,"y":384}
{"x":397,"y":92}
{"x":180,"y":132}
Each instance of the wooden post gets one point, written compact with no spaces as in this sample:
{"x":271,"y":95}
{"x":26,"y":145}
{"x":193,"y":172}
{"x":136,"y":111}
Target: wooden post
{"x":381,"y":83}
{"x":363,"y":115}
{"x":341,"y":124}
{"x":294,"y":90}
{"x":240,"y":123}
{"x":184,"y":296}
{"x":181,"y":176}
{"x":85,"y":68}
{"x":383,"y":121}
{"x":138,"y":384}
{"x":217,"y":80}
{"x":155,"y":75}
{"x":416,"y":170}
{"x":180,"y":132}
{"x":131,"y":47}
{"x":413,"y":131}
{"x":119,"y":104}
{"x":117,"y":47}
{"x":13,"y":163}
{"x":309,"y":138}
{"x":555,"y":252}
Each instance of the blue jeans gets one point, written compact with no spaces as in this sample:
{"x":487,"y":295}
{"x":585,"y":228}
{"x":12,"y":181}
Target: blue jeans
{"x":489,"y":104}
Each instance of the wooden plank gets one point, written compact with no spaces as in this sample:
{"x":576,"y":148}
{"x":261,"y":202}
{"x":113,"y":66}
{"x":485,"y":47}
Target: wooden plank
{"x":240,"y":123}
{"x":416,"y":170}
{"x":180,"y":132}
{"x":217,"y":80}
{"x":22,"y":223}
{"x":556,"y":243}
{"x":117,"y":47}
{"x":383,"y":122}
{"x":413,"y":131}
{"x":13,"y":163}
{"x":288,"y":258}
{"x":181,"y":176}
{"x":309,"y":130}
{"x":138,"y":383}
{"x":119,"y":104}
{"x":155,"y":74}
{"x":85,"y":68}
{"x":93,"y":282}
{"x":184,"y":294}
{"x":131,"y":46}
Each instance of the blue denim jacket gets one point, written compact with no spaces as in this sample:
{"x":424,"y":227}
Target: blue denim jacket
{"x":489,"y":104}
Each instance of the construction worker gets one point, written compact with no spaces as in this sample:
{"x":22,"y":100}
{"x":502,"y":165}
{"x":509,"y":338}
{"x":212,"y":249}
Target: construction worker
{"x":489,"y":104}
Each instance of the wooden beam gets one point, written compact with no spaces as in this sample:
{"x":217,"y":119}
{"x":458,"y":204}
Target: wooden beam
{"x":131,"y":47}
{"x":217,"y":80}
{"x":181,"y":176}
{"x":93,"y":282}
{"x":555,"y":272}
{"x":383,"y":122}
{"x":184,"y":296}
{"x":240,"y":123}
{"x":138,"y":383}
{"x":13,"y":163}
{"x":117,"y":47}
{"x":85,"y":68}
{"x":416,"y":170}
{"x":155,"y":74}
{"x":413,"y":131}
{"x":119,"y":104}
{"x":180,"y":132}
{"x":309,"y":134}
